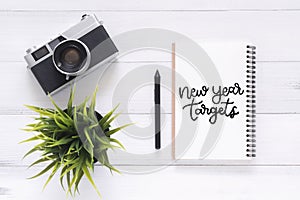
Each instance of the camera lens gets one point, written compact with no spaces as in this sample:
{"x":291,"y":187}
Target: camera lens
{"x":71,"y":57}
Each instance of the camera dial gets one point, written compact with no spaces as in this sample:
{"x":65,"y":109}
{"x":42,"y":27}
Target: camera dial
{"x":84,"y":16}
{"x":30,"y":50}
{"x":71,"y":57}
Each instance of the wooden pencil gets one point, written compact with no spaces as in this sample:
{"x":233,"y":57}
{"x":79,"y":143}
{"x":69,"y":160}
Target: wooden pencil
{"x":173,"y":101}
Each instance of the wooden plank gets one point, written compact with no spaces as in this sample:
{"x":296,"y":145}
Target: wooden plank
{"x":275,"y":144}
{"x":221,"y":182}
{"x":34,"y":28}
{"x":277,"y":88}
{"x":25,"y":85}
{"x":151,"y":5}
{"x":271,"y":25}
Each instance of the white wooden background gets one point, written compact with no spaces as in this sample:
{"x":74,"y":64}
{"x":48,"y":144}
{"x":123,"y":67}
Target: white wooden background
{"x":273,"y":25}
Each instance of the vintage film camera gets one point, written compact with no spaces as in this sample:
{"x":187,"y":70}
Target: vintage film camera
{"x":71,"y":55}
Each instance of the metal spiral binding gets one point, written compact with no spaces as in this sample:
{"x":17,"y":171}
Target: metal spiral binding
{"x":251,"y":102}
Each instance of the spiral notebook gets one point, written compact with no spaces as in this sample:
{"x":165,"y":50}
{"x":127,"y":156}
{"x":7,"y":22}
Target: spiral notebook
{"x":214,"y":101}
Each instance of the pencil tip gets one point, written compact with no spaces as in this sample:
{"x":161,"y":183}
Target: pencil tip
{"x":157,"y":73}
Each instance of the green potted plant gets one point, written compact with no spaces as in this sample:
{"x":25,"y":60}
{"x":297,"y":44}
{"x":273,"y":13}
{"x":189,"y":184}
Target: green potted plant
{"x":72,"y":140}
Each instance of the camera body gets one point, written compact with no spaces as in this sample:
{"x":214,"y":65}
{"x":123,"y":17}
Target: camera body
{"x":71,"y":55}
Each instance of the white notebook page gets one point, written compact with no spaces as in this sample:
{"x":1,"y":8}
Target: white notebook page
{"x":229,"y":59}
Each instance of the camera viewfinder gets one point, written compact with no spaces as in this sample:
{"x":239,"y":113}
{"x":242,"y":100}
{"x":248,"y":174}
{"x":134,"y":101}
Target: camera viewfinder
{"x":41,"y":52}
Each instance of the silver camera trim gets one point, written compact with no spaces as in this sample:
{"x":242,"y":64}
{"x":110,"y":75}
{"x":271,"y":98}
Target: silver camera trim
{"x":83,"y":69}
{"x":87,"y":24}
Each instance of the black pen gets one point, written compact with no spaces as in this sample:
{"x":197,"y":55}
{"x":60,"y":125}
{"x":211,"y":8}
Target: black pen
{"x":157,"y":108}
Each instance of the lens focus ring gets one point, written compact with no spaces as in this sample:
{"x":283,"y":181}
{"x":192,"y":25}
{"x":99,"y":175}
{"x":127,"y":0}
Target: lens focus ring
{"x":71,"y":57}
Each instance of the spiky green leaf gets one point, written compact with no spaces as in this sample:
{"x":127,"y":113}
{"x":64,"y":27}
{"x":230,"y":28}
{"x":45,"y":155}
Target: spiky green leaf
{"x":44,"y":170}
{"x":89,"y":177}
